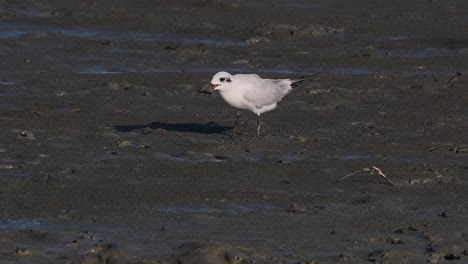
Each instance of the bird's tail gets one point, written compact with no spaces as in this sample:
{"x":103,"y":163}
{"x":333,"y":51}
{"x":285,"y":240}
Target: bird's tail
{"x":296,"y":81}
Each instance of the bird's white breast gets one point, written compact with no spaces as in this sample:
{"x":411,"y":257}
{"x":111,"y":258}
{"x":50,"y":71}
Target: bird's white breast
{"x":235,"y":98}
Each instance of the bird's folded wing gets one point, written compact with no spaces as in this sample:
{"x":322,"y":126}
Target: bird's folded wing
{"x":267,"y":91}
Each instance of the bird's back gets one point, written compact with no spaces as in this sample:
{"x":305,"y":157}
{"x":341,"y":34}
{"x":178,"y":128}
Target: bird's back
{"x":262,"y":92}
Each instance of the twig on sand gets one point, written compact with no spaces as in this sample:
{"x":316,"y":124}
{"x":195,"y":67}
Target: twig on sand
{"x":372,"y":170}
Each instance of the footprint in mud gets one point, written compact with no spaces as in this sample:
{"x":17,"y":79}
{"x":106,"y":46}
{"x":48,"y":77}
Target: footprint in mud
{"x":208,"y":128}
{"x":102,"y":253}
{"x":196,"y":157}
{"x":210,"y":254}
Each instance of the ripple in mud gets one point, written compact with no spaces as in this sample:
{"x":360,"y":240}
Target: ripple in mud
{"x":20,"y":224}
{"x":100,"y":69}
{"x":12,"y":31}
{"x":5,"y":82}
{"x":189,"y":156}
{"x":283,"y":31}
{"x":30,"y":10}
{"x":288,"y":4}
{"x":424,"y":53}
{"x":393,"y":38}
{"x":354,"y":156}
{"x":232,"y":210}
{"x":190,"y":210}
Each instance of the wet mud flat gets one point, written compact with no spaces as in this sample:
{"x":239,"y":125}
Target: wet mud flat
{"x":106,"y":155}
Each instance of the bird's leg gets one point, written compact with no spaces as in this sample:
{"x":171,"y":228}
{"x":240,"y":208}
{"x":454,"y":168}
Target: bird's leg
{"x":235,"y":123}
{"x":258,"y":126}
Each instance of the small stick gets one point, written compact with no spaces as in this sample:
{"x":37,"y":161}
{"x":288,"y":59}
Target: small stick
{"x":371,"y":170}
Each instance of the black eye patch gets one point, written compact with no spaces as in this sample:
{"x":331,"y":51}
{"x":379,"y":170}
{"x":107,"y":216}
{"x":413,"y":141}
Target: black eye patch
{"x":228,"y":80}
{"x":222,"y":79}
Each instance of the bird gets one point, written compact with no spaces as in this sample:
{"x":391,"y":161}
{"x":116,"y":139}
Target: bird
{"x":250,"y":92}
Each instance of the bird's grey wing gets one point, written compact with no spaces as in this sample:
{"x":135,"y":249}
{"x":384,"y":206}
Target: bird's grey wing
{"x":244,"y":78}
{"x":263,"y":92}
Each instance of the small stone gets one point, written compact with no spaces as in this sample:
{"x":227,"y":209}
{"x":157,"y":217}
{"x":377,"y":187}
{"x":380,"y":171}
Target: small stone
{"x":170,"y":47}
{"x":394,"y":241}
{"x":295,"y":209}
{"x":255,"y":40}
{"x":113,"y":85}
{"x":451,"y":256}
{"x":318,"y":91}
{"x":21,"y":251}
{"x":73,"y":244}
{"x":454,"y":79}
{"x":416,"y":86}
{"x":27,"y":134}
{"x":298,"y":138}
{"x":126,"y":143}
{"x":69,"y":171}
{"x":443,"y":214}
{"x":146,"y":131}
{"x":119,"y":86}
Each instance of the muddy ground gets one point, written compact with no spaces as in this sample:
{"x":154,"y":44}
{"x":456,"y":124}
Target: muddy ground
{"x":106,"y":155}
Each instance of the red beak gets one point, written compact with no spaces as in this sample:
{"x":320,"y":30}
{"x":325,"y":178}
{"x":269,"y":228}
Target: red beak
{"x":213,"y":86}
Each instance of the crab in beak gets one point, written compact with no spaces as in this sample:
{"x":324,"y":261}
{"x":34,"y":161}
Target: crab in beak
{"x":207,"y":89}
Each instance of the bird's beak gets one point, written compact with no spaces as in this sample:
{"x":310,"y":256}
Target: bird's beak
{"x":213,"y":86}
{"x":208,"y":89}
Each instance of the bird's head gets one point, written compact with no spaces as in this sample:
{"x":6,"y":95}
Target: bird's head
{"x":220,"y":81}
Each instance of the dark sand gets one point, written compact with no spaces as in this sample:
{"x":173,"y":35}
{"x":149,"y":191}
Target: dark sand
{"x":107,"y":157}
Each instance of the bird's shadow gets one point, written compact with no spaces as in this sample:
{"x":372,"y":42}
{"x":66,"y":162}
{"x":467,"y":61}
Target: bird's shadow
{"x":208,"y":128}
